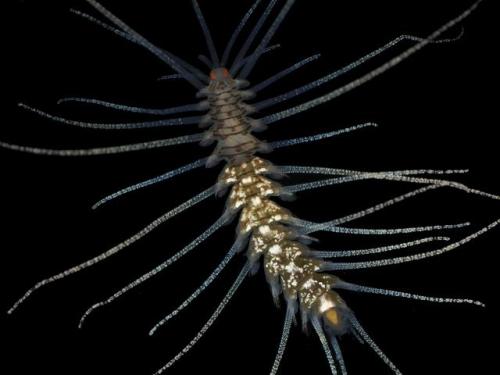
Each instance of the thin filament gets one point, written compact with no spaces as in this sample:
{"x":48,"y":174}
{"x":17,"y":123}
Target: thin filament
{"x":106,"y":150}
{"x":211,"y":320}
{"x":195,"y":243}
{"x":152,"y":226}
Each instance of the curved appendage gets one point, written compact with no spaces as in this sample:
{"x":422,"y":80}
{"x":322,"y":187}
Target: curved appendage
{"x":205,"y":60}
{"x":166,"y":176}
{"x":340,"y":284}
{"x":359,"y":329}
{"x":390,"y":177}
{"x":375,"y":250}
{"x":147,"y":44}
{"x":324,"y":342}
{"x":118,"y":126}
{"x":444,"y":183}
{"x":332,"y":181}
{"x":232,"y":252}
{"x":206,"y":33}
{"x":409,"y":258}
{"x":382,"y":232}
{"x":237,"y":32}
{"x":319,"y":137}
{"x":276,"y":77}
{"x":294,"y":169}
{"x":338,"y":355}
{"x":243,"y":274}
{"x":338,"y":73}
{"x":283,"y":341}
{"x":162,"y":219}
{"x":191,"y":69}
{"x":106,"y":150}
{"x":248,"y":67}
{"x":371,"y":75}
{"x":251,"y":37}
{"x":170,"y":77}
{"x":260,"y":53}
{"x":195,"y":107}
{"x":195,"y":243}
{"x":376,"y":208}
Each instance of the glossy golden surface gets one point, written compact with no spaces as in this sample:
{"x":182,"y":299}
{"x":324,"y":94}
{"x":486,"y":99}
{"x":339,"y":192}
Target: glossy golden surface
{"x":251,"y":190}
{"x":267,"y":236}
{"x":261,"y":212}
{"x":286,"y":260}
{"x":233,"y":173}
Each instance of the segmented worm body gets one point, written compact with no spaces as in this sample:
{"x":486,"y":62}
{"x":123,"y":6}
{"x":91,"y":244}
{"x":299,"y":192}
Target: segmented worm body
{"x":270,"y":228}
{"x":268,"y":232}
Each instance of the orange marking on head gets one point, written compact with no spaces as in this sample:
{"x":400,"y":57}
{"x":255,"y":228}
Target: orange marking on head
{"x":225,"y":72}
{"x":213,"y":75}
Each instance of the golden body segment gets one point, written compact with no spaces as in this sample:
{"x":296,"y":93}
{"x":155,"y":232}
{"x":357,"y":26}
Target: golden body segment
{"x":269,"y":227}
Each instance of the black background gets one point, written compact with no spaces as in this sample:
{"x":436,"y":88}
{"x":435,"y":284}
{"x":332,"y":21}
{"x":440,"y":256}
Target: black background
{"x":434,"y":111}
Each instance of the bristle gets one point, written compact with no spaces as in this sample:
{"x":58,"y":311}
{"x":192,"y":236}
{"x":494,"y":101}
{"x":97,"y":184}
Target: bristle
{"x":105,"y":150}
{"x":220,"y":267}
{"x":190,"y":120}
{"x":89,"y":263}
{"x":141,"y":185}
{"x":371,"y":75}
{"x":195,"y":107}
{"x":241,"y":277}
{"x":191,"y":246}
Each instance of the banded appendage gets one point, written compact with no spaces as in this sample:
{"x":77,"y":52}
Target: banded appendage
{"x":272,"y":233}
{"x":297,"y":273}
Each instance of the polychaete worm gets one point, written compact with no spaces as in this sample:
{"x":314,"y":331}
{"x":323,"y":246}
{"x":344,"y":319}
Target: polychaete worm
{"x":232,"y":116}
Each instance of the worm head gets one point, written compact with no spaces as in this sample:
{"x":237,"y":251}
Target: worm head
{"x":221,"y":78}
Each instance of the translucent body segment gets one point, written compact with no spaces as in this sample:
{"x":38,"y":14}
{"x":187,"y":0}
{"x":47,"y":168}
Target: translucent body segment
{"x":360,"y":330}
{"x":409,"y":258}
{"x":152,"y":226}
{"x":230,"y":255}
{"x":319,"y":137}
{"x":340,"y":284}
{"x":276,"y":77}
{"x":237,"y":32}
{"x":148,"y":45}
{"x":375,"y":250}
{"x":155,"y":180}
{"x":251,"y":37}
{"x":106,"y":150}
{"x":247,"y":69}
{"x":243,"y":274}
{"x":324,"y":342}
{"x":206,"y":33}
{"x":191,"y":246}
{"x":195,"y":107}
{"x":371,"y":75}
{"x":118,"y":126}
{"x":283,"y":340}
